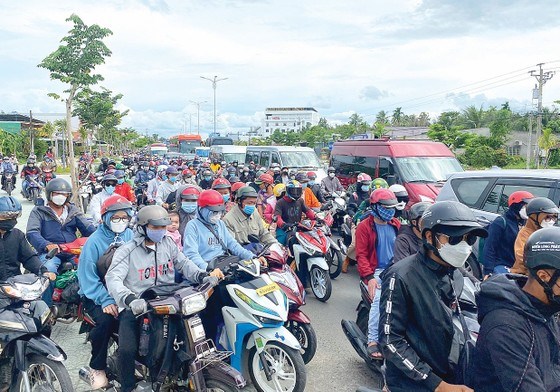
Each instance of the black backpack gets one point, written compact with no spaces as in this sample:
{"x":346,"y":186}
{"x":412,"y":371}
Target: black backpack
{"x":104,"y":262}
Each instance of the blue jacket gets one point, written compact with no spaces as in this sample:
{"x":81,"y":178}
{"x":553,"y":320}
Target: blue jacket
{"x":201,"y":246}
{"x":143,"y":177}
{"x":44,"y":228}
{"x":90,"y":283}
{"x":499,"y":245}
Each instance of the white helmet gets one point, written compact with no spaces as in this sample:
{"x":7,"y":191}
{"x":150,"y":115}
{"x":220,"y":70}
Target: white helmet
{"x":402,"y":195}
{"x":161,"y":168}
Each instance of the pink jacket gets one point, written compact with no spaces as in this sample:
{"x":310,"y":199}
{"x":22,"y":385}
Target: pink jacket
{"x":176,"y":237}
{"x":269,"y":210}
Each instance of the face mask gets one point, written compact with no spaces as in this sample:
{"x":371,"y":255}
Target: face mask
{"x":249,"y":209}
{"x":385,"y":214}
{"x":172,"y":179}
{"x":59,"y":200}
{"x":304,"y":185}
{"x":164,"y":177}
{"x":365,"y":188}
{"x":207,"y":178}
{"x":311,"y":183}
{"x":547,"y":223}
{"x":8,"y":224}
{"x":188,"y":206}
{"x":455,"y":255}
{"x":331,"y":175}
{"x":226,"y":198}
{"x":120,"y":180}
{"x":145,"y":168}
{"x":118,"y":227}
{"x":210,"y":216}
{"x":155,"y":235}
{"x":110,"y":189}
{"x":523,"y":213}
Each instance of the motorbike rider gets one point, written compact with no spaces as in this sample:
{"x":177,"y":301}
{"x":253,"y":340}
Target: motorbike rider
{"x":7,"y":167}
{"x":409,"y":238}
{"x":289,"y":209}
{"x":517,"y":346}
{"x":234,"y":188}
{"x":242,"y":220}
{"x":28,"y":170}
{"x":402,"y":197}
{"x":541,"y":213}
{"x":379,"y":183}
{"x":48,"y":164}
{"x":187,"y":207}
{"x":498,"y":253}
{"x":308,"y":197}
{"x":279,"y":190}
{"x":104,"y":165}
{"x":144,"y":174}
{"x":223,"y":187}
{"x":116,"y":213}
{"x":331,"y":183}
{"x":187,"y":177}
{"x":215,"y":166}
{"x":154,"y":183}
{"x":108,"y":184}
{"x":417,"y":300}
{"x":284,"y":177}
{"x":206,"y":180}
{"x":207,"y":237}
{"x":315,"y":187}
{"x":150,"y":259}
{"x":247,"y":175}
{"x":266,"y":184}
{"x":375,"y":242}
{"x":167,"y":187}
{"x":123,"y":188}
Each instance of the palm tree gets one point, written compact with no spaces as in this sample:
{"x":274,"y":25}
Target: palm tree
{"x":546,"y":142}
{"x":382,"y":118}
{"x":397,"y":116}
{"x":473,"y":117}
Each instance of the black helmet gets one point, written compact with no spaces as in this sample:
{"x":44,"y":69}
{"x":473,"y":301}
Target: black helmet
{"x":104,"y":160}
{"x":59,"y":185}
{"x":541,"y":204}
{"x":542,"y":249}
{"x":417,"y":210}
{"x":301,"y":178}
{"x":155,"y":215}
{"x":451,"y":218}
{"x":245,"y":192}
{"x":294,"y":190}
{"x":108,"y":177}
{"x":10,"y":208}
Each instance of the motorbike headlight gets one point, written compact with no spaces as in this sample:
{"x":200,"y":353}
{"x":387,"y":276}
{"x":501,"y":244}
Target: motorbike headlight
{"x":264,"y":320}
{"x":26,"y":292}
{"x":193,"y":304}
{"x":245,"y":298}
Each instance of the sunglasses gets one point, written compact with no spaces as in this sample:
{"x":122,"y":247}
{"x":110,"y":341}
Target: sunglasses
{"x":111,"y":183}
{"x":116,"y":219}
{"x":455,"y":239}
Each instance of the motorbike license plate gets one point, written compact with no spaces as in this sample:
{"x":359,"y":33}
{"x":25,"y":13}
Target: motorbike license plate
{"x":269,"y":288}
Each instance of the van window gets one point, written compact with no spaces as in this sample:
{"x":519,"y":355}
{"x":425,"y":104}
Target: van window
{"x":497,"y":200}
{"x":252,"y":156}
{"x":275,"y":158}
{"x":265,"y":159}
{"x":469,"y":191}
{"x":386,"y":167}
{"x":343,"y":164}
{"x":365,"y":165}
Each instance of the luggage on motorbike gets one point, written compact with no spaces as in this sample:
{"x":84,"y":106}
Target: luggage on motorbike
{"x":104,"y":262}
{"x":70,"y":292}
{"x":66,"y":278}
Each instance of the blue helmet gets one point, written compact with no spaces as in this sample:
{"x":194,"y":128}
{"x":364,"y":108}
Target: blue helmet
{"x":119,"y":174}
{"x":10,"y":208}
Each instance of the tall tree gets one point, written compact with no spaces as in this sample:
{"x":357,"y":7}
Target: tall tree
{"x":547,"y":141}
{"x":73,"y":63}
{"x":473,"y":117}
{"x":382,"y":118}
{"x":397,"y":117}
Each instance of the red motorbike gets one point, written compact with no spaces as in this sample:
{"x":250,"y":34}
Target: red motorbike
{"x":47,"y":175}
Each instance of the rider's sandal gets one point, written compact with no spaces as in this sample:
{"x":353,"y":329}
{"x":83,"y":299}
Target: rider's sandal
{"x":374,"y":352}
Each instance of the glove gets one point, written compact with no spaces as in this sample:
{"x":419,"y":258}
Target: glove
{"x":139,"y":306}
{"x":213,"y":280}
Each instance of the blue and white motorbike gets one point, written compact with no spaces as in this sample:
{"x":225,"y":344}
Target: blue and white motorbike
{"x":253,"y":311}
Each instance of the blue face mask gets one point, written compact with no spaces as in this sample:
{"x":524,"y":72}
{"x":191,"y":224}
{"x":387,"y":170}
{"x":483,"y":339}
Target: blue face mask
{"x":365,"y":188}
{"x":155,"y":235}
{"x":172,"y":179}
{"x":207,"y":178}
{"x":304,"y":185}
{"x":110,"y":189}
{"x":385,"y":214}
{"x":120,"y":180}
{"x":226,"y":198}
{"x":188,"y":206}
{"x":249,"y":209}
{"x":311,"y":183}
{"x":164,"y":177}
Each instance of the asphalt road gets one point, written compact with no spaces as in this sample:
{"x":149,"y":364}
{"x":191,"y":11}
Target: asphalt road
{"x":335,"y":367}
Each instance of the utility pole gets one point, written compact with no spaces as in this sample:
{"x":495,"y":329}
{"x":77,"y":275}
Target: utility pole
{"x":198,"y":103}
{"x":529,"y":143}
{"x":214,"y":81}
{"x":31,"y":133}
{"x":542,"y":77}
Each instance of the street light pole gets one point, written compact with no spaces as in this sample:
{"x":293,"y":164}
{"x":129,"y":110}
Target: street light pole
{"x":198,"y":103}
{"x":214,"y":81}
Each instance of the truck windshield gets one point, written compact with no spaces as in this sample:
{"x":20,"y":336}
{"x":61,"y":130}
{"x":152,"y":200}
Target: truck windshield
{"x":202,"y":153}
{"x":300,"y":159}
{"x":234,"y":156}
{"x":427,"y":169}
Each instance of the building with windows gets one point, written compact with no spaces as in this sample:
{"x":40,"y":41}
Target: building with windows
{"x":287,"y":120}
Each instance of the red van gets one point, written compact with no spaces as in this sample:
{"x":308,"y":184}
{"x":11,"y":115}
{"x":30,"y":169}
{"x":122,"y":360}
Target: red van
{"x":420,"y":166}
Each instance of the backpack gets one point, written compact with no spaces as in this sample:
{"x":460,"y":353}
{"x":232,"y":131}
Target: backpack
{"x":104,"y":262}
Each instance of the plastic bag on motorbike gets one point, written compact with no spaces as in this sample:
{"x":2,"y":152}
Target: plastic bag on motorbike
{"x":70,"y":292}
{"x":65,"y":279}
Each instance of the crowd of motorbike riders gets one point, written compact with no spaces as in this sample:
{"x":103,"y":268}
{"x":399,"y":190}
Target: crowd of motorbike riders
{"x":410,"y":256}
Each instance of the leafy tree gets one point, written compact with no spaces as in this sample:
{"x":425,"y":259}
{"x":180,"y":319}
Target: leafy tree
{"x":323,"y":123}
{"x":379,"y":130}
{"x":397,"y":117}
{"x":73,"y":64}
{"x":500,"y":129}
{"x":453,"y":138}
{"x":423,"y":119}
{"x":449,"y":119}
{"x":472,"y":117}
{"x":547,"y":141}
{"x":382,"y":118}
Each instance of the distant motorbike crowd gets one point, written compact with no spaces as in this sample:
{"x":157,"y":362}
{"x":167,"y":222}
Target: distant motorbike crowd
{"x":191,"y":275}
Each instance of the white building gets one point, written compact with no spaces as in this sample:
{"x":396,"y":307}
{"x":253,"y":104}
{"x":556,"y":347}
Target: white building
{"x":287,"y":119}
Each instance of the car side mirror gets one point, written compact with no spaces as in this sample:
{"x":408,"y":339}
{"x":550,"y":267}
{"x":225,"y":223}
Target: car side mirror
{"x":391,"y":179}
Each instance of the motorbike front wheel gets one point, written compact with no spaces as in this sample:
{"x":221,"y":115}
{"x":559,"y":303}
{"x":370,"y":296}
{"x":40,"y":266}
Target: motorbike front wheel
{"x":286,"y":365}
{"x":213,"y":385}
{"x":9,"y":188}
{"x":321,"y":284}
{"x":85,"y":203}
{"x":306,"y":336}
{"x":34,"y":194}
{"x":45,"y":375}
{"x":334,"y":260}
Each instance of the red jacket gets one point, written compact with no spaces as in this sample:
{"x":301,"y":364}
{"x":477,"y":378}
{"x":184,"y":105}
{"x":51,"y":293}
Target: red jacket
{"x":366,"y":246}
{"x":125,"y":190}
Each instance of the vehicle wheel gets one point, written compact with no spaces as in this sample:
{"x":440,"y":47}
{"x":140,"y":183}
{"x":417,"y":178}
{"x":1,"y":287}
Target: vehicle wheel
{"x":473,"y":266}
{"x":286,"y":365}
{"x":342,"y":246}
{"x":306,"y":336}
{"x":45,"y":375}
{"x":85,"y":203}
{"x":213,"y":385}
{"x":9,"y":188}
{"x":321,"y":284}
{"x":334,"y":260}
{"x":34,"y":195}
{"x":362,"y":320}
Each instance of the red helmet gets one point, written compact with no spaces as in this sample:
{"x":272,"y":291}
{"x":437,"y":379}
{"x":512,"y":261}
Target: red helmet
{"x":519,"y":197}
{"x":266,"y":178}
{"x":115,"y":203}
{"x":363,"y":177}
{"x":190,"y":193}
{"x":236,"y":186}
{"x":221,"y":183}
{"x":311,"y":175}
{"x":383,"y":196}
{"x":211,"y":199}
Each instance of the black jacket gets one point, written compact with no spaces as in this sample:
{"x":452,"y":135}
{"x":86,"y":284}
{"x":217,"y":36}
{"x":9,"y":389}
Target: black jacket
{"x":406,"y":244}
{"x":511,"y":322}
{"x":15,"y":251}
{"x":415,"y":324}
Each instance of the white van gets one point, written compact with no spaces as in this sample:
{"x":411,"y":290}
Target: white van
{"x":228,"y":153}
{"x":298,"y":158}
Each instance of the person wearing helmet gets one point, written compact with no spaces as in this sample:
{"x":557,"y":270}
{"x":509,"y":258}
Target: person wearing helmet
{"x":331,"y":183}
{"x":231,"y":172}
{"x":48,"y":166}
{"x":284,"y":176}
{"x":278,"y":192}
{"x":409,"y":238}
{"x":308,"y":197}
{"x":315,"y":187}
{"x":188,"y":196}
{"x":237,"y":185}
{"x":517,"y":346}
{"x":188,"y":177}
{"x":167,"y":187}
{"x":215,"y":166}
{"x":150,"y":259}
{"x":265,"y":183}
{"x":143,"y":175}
{"x":498,"y":253}
{"x":108,"y":184}
{"x":104,"y":165}
{"x":289,"y":209}
{"x":541,"y":213}
{"x":207,"y":237}
{"x":247,"y":175}
{"x":362,"y":189}
{"x":123,"y":188}
{"x":7,"y":167}
{"x":116,"y":213}
{"x":223,"y":187}
{"x":375,"y":242}
{"x":16,"y":250}
{"x":28,"y":170}
{"x":206,"y":180}
{"x":379,"y":183}
{"x":402,"y":197}
{"x":418,"y":298}
{"x":243,"y":220}
{"x":153,"y":184}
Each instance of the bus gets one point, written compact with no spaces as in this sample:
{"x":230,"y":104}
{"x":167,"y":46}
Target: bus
{"x":203,"y":153}
{"x":219,"y":141}
{"x":159,"y":149}
{"x":229,"y":153}
{"x":187,"y":144}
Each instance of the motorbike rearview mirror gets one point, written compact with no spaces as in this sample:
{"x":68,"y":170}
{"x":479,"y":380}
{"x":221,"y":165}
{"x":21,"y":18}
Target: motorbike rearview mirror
{"x":51,"y":253}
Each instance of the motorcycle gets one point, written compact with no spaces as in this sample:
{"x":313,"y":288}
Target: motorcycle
{"x":253,"y":309}
{"x":334,"y":254}
{"x":47,"y":175}
{"x":309,"y":245}
{"x":86,"y":193}
{"x":30,"y":360}
{"x":336,"y":203}
{"x":97,"y":187}
{"x":180,"y":357}
{"x":34,"y":188}
{"x":141,"y":194}
{"x":9,"y":182}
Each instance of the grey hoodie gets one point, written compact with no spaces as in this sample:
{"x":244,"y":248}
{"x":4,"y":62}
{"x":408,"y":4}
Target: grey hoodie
{"x":136,"y":268}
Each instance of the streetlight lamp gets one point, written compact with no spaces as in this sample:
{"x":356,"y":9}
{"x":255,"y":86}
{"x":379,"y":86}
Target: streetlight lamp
{"x":214,"y":81}
{"x":198,"y":103}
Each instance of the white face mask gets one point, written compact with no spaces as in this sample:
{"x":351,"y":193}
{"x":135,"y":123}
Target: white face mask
{"x":331,"y":175}
{"x":118,"y":227}
{"x":215,"y":218}
{"x":523,"y":213}
{"x":455,"y":255}
{"x":547,"y":223}
{"x":59,"y":200}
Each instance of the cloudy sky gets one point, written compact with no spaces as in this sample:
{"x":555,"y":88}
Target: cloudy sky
{"x":337,"y":56}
